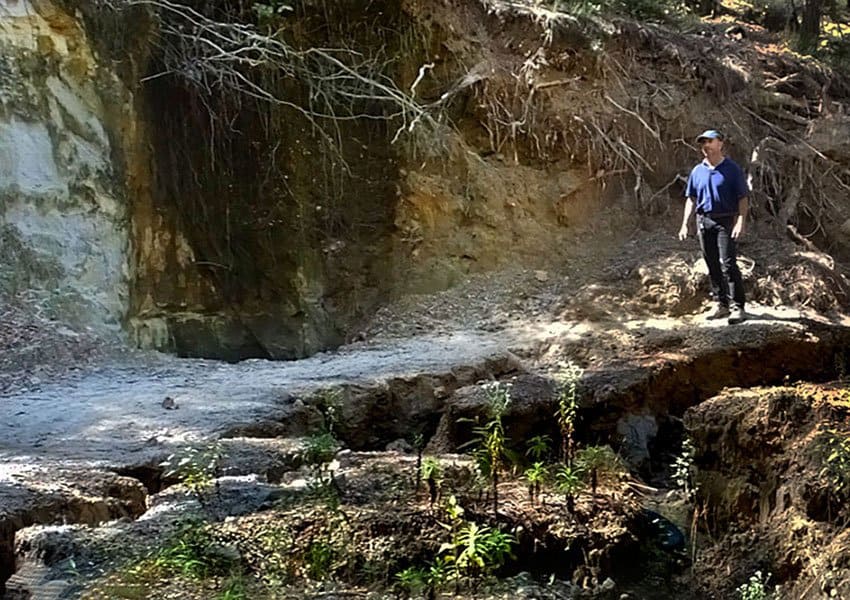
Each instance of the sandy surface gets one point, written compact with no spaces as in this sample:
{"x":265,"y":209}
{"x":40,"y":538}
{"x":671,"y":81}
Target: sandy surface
{"x":113,"y":413}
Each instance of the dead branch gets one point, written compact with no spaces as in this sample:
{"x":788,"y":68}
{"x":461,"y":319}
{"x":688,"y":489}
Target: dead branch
{"x":216,"y":56}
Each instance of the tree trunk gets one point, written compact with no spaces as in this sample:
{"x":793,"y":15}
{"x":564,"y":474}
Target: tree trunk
{"x":706,"y":7}
{"x":810,"y":28}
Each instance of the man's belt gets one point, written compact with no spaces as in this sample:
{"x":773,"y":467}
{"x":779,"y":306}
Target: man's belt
{"x":716,"y":215}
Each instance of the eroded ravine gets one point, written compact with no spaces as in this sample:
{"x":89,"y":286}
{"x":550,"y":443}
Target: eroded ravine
{"x":408,"y":393}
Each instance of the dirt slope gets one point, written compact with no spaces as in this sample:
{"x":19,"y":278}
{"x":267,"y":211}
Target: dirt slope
{"x":582,"y":153}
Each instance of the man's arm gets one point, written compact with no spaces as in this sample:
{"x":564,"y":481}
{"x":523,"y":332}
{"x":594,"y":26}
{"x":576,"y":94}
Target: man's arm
{"x":686,"y":218}
{"x":741,"y":222}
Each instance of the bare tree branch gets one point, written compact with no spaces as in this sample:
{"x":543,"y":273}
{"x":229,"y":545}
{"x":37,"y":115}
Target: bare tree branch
{"x":218,"y":56}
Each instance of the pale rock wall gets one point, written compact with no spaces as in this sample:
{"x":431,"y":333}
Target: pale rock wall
{"x":63,"y":214}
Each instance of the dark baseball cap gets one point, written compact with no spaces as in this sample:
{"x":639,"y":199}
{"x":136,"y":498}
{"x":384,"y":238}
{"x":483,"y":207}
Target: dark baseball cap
{"x":710,"y":134}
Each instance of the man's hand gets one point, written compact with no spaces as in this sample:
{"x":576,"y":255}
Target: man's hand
{"x":739,"y":230}
{"x":683,"y":233}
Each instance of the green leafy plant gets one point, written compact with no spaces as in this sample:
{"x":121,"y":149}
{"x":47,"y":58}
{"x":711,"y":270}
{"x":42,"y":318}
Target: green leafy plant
{"x":268,"y":13}
{"x":755,"y":588}
{"x":320,"y":449}
{"x":568,"y":388}
{"x":319,"y":559}
{"x":329,"y":402}
{"x":432,"y":474}
{"x":491,"y":451}
{"x":322,"y":486}
{"x":196,"y":467}
{"x":835,"y":457}
{"x":437,"y":577}
{"x":454,"y":513}
{"x":568,"y":482}
{"x":476,"y":551}
{"x":683,"y":468}
{"x":535,"y":475}
{"x":653,"y":10}
{"x":234,"y":589}
{"x":190,"y":552}
{"x":594,"y":460}
{"x":413,"y":580}
{"x":318,"y":453}
{"x":419,"y":444}
{"x":539,"y":447}
{"x":472,"y":553}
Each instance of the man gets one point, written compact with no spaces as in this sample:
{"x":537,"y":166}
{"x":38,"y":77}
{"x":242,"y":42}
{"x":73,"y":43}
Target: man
{"x":717,"y":192}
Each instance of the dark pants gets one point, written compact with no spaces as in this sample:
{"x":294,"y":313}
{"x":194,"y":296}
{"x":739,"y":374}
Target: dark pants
{"x":720,"y":254}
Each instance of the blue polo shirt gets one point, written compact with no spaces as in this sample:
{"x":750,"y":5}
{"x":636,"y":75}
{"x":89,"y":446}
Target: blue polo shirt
{"x":717,"y":189}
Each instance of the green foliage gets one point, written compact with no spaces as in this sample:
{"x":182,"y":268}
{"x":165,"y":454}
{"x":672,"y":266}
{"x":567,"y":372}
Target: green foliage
{"x":539,"y":447}
{"x":437,"y":575}
{"x":323,"y":487}
{"x":491,"y":452}
{"x":431,"y":468}
{"x":453,"y":510}
{"x":683,"y":468}
{"x":269,"y":13}
{"x":320,"y":449}
{"x":535,"y":475}
{"x":755,"y":588}
{"x":835,"y":455}
{"x":489,"y":441}
{"x":568,"y":482}
{"x":568,"y":389}
{"x":472,"y":553}
{"x":432,"y":474}
{"x":196,"y":467}
{"x":329,"y":403}
{"x":596,"y":459}
{"x":475,"y":551}
{"x":413,"y":580}
{"x":318,"y":453}
{"x":498,"y":397}
{"x":417,"y":580}
{"x":234,"y":589}
{"x":191,"y":553}
{"x":319,"y":559}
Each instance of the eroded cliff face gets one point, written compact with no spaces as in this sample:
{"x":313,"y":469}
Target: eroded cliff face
{"x":220,"y":226}
{"x":212,"y":223}
{"x":268,"y":232}
{"x":63,"y":211}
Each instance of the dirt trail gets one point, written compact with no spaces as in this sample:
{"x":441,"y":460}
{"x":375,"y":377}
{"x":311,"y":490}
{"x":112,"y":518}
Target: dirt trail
{"x":114,"y":414}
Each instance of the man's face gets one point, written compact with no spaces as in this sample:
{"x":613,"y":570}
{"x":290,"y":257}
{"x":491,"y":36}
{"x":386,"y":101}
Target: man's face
{"x":711,"y":146}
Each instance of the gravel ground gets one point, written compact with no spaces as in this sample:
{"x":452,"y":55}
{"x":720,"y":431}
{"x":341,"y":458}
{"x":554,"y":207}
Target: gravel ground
{"x":34,"y":349}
